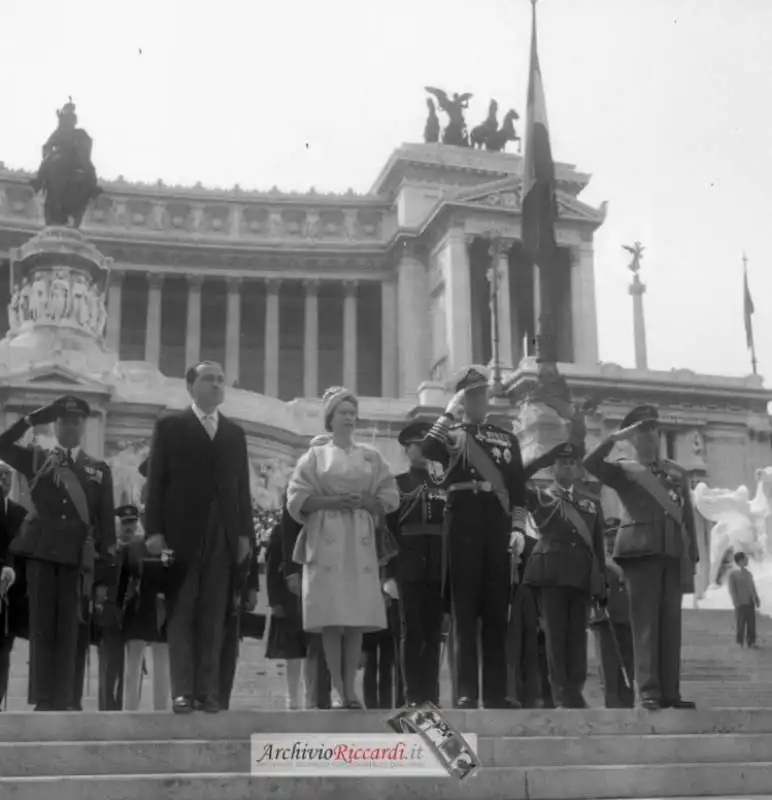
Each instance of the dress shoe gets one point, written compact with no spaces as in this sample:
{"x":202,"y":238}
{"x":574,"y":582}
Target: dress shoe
{"x":182,"y":705}
{"x":650,"y":704}
{"x":504,"y":704}
{"x":679,"y":705}
{"x":209,"y":705}
{"x":466,"y":703}
{"x":44,"y":705}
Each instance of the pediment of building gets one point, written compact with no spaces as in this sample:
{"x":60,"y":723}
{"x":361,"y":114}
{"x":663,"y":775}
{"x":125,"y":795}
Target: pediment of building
{"x":55,"y":378}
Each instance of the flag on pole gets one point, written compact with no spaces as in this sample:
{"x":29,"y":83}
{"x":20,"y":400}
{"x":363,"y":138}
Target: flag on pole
{"x":748,"y":307}
{"x":539,"y":202}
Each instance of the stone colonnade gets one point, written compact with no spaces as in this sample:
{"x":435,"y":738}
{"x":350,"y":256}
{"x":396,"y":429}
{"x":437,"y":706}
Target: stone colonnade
{"x":311,"y":388}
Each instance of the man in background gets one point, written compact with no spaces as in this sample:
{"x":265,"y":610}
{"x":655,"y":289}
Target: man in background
{"x":745,"y":599}
{"x":14,"y":608}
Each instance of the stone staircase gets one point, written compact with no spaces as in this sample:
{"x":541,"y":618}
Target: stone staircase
{"x":558,"y":755}
{"x":724,"y":749}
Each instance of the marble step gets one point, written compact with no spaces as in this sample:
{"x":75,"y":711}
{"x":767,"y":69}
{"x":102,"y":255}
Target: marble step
{"x":494,"y":783}
{"x":239,"y":725}
{"x":233,"y":756}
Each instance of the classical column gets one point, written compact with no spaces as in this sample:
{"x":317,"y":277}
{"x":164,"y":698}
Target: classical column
{"x":193,"y":328}
{"x":271,"y":388}
{"x":500,"y":249}
{"x":589,"y":312}
{"x":389,"y":338}
{"x":412,"y":310}
{"x":114,"y":292}
{"x":350,"y":335}
{"x":637,"y":290}
{"x":311,"y":340}
{"x":233,"y":330}
{"x":577,"y":307}
{"x":153,"y":328}
{"x":458,"y":300}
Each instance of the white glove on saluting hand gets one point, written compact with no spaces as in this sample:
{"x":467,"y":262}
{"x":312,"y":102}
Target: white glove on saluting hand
{"x":7,"y":579}
{"x":456,"y":404}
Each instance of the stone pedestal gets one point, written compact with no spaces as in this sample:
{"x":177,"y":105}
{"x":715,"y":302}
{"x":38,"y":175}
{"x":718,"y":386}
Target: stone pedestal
{"x":539,"y":428}
{"x":57,"y":313}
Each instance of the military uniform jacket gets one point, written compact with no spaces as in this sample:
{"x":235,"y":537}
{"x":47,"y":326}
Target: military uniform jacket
{"x":417,"y":528}
{"x":562,"y":556}
{"x":54,"y":531}
{"x":446,"y":443}
{"x":646,"y":528}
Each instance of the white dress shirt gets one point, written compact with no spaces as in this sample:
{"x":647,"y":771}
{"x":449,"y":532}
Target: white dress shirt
{"x":209,"y":421}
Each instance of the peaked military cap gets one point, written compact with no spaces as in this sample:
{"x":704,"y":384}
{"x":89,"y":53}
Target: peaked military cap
{"x":647,"y":413}
{"x":127,"y":513}
{"x":414,"y":432}
{"x":472,"y":378}
{"x":72,"y":405}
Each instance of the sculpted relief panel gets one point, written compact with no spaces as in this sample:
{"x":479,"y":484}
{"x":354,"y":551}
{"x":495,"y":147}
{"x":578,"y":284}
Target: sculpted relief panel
{"x":60,"y":296}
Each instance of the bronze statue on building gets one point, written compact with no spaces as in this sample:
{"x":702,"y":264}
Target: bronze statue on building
{"x":480,"y":134}
{"x":455,"y":131}
{"x":66,"y":175}
{"x":432,"y":127}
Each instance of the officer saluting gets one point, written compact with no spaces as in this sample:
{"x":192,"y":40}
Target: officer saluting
{"x":567,"y":568}
{"x":486,"y":501}
{"x":72,"y":523}
{"x":417,"y":527}
{"x":656,"y":547}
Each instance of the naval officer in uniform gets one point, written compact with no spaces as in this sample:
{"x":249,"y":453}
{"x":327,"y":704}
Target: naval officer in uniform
{"x":485,"y":483}
{"x":418,"y":569}
{"x":67,"y":540}
{"x":567,"y":569}
{"x":656,"y":547}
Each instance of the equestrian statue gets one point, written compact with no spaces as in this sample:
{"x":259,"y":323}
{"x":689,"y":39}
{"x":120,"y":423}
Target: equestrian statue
{"x":66,"y":175}
{"x":492,"y":137}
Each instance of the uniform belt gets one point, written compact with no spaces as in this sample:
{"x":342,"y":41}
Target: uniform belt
{"x":421,"y":530}
{"x":471,"y":486}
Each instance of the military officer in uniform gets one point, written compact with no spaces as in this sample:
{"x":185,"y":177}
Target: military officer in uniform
{"x":567,"y":569}
{"x":71,"y":526}
{"x":656,"y":547}
{"x":417,"y":528}
{"x":485,"y":483}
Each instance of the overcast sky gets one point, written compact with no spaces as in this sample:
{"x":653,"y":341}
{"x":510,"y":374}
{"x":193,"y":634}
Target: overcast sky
{"x":665,"y":102}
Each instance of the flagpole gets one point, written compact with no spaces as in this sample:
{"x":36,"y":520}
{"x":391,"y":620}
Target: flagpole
{"x":748,"y":314}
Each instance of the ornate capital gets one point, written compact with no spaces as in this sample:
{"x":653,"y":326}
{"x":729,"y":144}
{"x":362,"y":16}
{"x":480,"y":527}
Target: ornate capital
{"x":350,"y":288}
{"x":155,"y":279}
{"x":500,"y":247}
{"x":311,"y":285}
{"x":194,"y":281}
{"x":233,"y":282}
{"x":414,"y":248}
{"x":116,"y":277}
{"x":273,"y":285}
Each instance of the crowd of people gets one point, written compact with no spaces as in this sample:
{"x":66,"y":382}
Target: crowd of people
{"x":483,"y":559}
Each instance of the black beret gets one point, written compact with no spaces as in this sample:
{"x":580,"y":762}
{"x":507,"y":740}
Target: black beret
{"x":647,"y":413}
{"x":414,"y":432}
{"x":70,"y":404}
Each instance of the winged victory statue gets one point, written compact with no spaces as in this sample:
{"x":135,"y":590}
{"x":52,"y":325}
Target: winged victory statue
{"x":455,"y":132}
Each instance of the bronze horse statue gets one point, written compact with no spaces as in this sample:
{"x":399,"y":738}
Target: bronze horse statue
{"x":497,"y":141}
{"x":66,"y":175}
{"x":480,"y":133}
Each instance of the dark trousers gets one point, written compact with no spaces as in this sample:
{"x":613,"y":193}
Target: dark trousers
{"x":381,"y":683}
{"x":53,"y":609}
{"x":82,"y":653}
{"x":564,"y":616}
{"x":478,"y":536}
{"x":523,"y":678}
{"x":544,"y":673}
{"x":745,"y":616}
{"x":6,"y":646}
{"x":654,"y":589}
{"x":197,"y":622}
{"x":318,"y":694}
{"x":229,"y":660}
{"x":112,"y":656}
{"x":616,"y":693}
{"x":421,"y":615}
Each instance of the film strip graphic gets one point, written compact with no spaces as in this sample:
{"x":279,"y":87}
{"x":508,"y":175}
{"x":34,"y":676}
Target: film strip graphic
{"x":443,"y":740}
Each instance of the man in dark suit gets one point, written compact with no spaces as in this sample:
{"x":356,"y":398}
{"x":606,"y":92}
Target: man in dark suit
{"x":67,"y":541}
{"x":199,"y":506}
{"x":656,"y":547}
{"x":14,"y":610}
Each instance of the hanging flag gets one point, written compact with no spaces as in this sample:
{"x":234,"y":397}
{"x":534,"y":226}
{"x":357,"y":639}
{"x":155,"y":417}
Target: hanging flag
{"x":748,"y":307}
{"x":539,"y":202}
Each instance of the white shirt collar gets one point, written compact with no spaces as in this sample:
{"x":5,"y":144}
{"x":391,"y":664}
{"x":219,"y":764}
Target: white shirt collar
{"x":214,"y":416}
